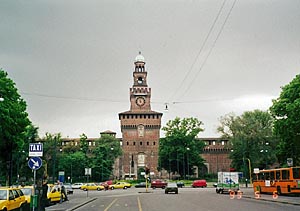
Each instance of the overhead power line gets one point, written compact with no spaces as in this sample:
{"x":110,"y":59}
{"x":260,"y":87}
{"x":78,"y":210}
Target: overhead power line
{"x":211,"y":49}
{"x":73,"y":98}
{"x":200,"y":51}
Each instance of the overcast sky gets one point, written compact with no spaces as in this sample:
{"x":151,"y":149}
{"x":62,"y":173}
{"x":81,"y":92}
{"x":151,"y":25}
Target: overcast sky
{"x":72,"y":60}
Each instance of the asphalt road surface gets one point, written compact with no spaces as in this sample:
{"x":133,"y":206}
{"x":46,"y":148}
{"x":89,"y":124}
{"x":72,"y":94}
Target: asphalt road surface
{"x":188,"y":199}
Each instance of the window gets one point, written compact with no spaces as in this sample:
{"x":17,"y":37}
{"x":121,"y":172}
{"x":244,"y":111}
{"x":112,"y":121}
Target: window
{"x":154,"y":143}
{"x":134,"y":143}
{"x":285,"y":174}
{"x":278,"y":175}
{"x":141,"y":143}
{"x":147,"y":143}
{"x":296,"y":173}
{"x":127,"y":143}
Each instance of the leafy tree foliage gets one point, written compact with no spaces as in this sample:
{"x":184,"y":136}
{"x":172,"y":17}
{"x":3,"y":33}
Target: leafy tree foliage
{"x":107,"y":150}
{"x":179,"y":150}
{"x":51,"y":148}
{"x":251,"y":137}
{"x":286,"y":111}
{"x":13,"y":122}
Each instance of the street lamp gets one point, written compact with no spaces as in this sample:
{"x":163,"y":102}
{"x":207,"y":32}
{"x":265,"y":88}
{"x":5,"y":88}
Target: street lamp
{"x":266,"y":151}
{"x":187,"y":157}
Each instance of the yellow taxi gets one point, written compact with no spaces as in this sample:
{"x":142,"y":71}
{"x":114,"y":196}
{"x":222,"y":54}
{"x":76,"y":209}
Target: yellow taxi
{"x":120,"y":185}
{"x":11,"y":199}
{"x":92,"y":186}
{"x":54,"y":194}
{"x":28,"y":191}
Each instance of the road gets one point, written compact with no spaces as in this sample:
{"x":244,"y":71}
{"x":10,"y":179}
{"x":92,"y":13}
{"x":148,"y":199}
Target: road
{"x":204,"y":199}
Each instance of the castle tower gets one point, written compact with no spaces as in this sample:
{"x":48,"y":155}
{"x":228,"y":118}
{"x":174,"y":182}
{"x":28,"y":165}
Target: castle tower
{"x":140,"y":127}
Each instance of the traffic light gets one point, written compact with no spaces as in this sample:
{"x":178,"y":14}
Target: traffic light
{"x":147,"y":171}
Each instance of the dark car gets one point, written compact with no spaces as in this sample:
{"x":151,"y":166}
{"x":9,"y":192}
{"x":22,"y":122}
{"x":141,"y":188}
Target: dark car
{"x":180,"y":184}
{"x":158,"y":184}
{"x":171,"y":187}
{"x":142,"y":185}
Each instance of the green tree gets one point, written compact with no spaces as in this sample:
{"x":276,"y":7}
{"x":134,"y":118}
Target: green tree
{"x":13,"y":123}
{"x":23,"y":172}
{"x":180,"y":149}
{"x":251,"y":137}
{"x":105,"y":153}
{"x":286,"y":112}
{"x":73,"y":164}
{"x":51,"y":148}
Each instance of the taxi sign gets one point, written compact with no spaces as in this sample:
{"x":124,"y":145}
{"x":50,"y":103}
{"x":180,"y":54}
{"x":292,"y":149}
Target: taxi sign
{"x":35,"y":150}
{"x":35,"y":163}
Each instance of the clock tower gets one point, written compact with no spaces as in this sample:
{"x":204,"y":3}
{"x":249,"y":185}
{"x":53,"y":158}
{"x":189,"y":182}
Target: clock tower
{"x":140,"y":127}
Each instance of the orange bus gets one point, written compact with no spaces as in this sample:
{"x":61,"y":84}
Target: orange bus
{"x":281,"y":180}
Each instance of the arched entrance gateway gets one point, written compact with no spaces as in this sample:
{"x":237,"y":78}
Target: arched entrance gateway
{"x":140,"y":127}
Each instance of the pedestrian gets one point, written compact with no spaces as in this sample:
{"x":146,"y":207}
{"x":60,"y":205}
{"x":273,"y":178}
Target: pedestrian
{"x":44,"y":198}
{"x":63,"y":192}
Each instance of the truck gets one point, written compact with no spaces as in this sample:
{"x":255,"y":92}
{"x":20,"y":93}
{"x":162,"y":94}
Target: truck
{"x":228,"y":181}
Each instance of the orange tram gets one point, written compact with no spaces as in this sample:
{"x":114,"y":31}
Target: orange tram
{"x":280,"y":181}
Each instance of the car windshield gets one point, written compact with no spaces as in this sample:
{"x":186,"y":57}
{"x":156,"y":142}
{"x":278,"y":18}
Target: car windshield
{"x":3,"y":194}
{"x":26,"y":191}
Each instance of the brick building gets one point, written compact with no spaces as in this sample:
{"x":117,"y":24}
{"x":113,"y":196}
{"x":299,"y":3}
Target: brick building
{"x":140,"y":127}
{"x":216,"y":154}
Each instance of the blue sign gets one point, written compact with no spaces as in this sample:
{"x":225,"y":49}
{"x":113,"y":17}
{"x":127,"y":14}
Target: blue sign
{"x":35,"y":150}
{"x":35,"y":163}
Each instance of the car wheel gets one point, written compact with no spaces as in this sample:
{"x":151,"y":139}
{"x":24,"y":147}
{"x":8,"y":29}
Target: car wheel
{"x":98,"y":189}
{"x":166,"y":192}
{"x":125,"y":187}
{"x":85,"y":189}
{"x":163,"y":187}
{"x":153,"y":187}
{"x":176,"y":192}
{"x":112,"y":188}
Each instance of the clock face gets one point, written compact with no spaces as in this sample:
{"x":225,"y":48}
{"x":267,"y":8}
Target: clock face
{"x":140,"y":101}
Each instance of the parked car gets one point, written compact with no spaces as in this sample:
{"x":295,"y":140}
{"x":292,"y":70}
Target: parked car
{"x":158,"y":184}
{"x":142,"y":185}
{"x":199,"y":183}
{"x":54,"y":194}
{"x":180,"y":184}
{"x":171,"y":187}
{"x":77,"y":185}
{"x":92,"y":186}
{"x":68,"y":188}
{"x":12,"y":199}
{"x":120,"y":185}
{"x":27,"y":191}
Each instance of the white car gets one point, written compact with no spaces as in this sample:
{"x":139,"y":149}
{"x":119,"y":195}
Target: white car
{"x":77,"y":185}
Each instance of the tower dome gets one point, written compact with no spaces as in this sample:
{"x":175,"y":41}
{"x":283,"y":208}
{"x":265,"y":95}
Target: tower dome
{"x":139,"y":58}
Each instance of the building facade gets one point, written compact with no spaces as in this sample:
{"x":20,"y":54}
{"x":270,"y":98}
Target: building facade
{"x":140,"y":127}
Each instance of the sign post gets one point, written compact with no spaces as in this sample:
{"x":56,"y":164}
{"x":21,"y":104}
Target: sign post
{"x":35,"y":162}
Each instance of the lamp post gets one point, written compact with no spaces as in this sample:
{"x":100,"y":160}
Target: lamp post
{"x":265,"y":155}
{"x":187,"y":157}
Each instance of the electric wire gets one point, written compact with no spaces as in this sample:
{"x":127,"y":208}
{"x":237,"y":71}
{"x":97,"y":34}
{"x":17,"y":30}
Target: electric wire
{"x":210,"y":50}
{"x":200,"y":51}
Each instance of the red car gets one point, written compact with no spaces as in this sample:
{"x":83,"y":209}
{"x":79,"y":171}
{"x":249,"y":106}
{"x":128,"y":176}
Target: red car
{"x":199,"y":183}
{"x":158,"y":184}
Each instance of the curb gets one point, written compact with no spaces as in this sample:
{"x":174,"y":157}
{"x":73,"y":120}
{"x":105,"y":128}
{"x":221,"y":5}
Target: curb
{"x":276,"y":201}
{"x":80,"y":205}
